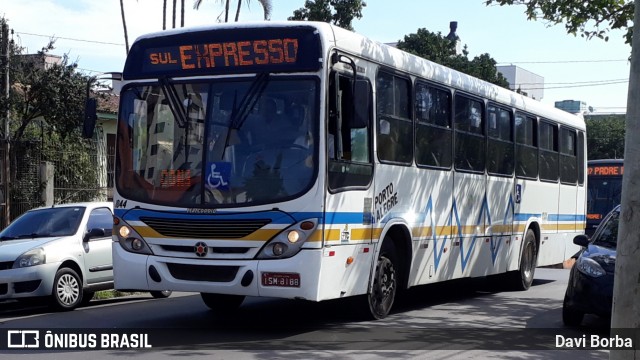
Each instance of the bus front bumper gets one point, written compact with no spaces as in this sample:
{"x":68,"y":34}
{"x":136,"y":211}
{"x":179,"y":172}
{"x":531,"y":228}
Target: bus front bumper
{"x":294,"y":278}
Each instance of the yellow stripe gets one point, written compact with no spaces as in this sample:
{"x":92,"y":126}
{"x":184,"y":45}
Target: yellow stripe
{"x":258,"y":235}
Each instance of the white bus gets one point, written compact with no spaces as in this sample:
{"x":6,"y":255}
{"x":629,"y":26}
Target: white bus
{"x":300,"y":160}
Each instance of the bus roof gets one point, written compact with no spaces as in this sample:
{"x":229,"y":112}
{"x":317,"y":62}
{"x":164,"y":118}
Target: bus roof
{"x":359,"y":45}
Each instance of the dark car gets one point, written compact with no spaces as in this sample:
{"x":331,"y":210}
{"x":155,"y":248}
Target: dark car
{"x":590,"y":288}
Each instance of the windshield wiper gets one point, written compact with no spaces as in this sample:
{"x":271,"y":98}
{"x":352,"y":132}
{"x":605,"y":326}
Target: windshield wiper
{"x":239,"y":113}
{"x":174,"y":102}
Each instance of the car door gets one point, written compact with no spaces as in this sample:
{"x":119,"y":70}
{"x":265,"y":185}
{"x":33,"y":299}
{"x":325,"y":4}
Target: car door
{"x":97,"y":250}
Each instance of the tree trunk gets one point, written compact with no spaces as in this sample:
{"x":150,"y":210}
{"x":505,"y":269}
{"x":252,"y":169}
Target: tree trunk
{"x":124,"y":26}
{"x":164,"y":15}
{"x":181,"y":13}
{"x":238,"y":10}
{"x":174,"y":13}
{"x":626,"y":290}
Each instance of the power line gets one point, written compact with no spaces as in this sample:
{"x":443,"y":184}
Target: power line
{"x":72,"y":39}
{"x":575,"y":86}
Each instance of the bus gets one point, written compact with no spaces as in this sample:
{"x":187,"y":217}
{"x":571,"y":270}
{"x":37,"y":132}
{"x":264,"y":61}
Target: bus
{"x":299,"y":160}
{"x":604,"y":188}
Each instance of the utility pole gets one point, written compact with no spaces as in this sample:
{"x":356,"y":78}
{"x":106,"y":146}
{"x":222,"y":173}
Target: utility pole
{"x":4,"y":71}
{"x":626,"y":289}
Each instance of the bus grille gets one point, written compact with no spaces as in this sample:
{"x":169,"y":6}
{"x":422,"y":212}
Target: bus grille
{"x":212,"y":273}
{"x":205,"y":229}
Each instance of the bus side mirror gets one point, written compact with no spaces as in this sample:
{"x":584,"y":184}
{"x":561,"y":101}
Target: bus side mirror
{"x":90,"y":117}
{"x":361,"y":104}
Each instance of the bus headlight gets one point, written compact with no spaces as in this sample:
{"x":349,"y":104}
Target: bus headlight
{"x":131,"y":241}
{"x":288,"y":242}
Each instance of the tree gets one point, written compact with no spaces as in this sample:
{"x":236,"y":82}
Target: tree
{"x":337,"y":12}
{"x":47,"y":108}
{"x":124,"y":26}
{"x":266,"y":7}
{"x":593,"y":18}
{"x":441,"y":50}
{"x":605,"y":136}
{"x":55,"y":93}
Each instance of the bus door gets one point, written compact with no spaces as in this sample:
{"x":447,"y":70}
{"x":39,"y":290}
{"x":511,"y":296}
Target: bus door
{"x":348,"y":206}
{"x":469,"y":206}
{"x":500,"y":185}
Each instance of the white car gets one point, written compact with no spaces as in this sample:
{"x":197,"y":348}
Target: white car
{"x":61,"y":252}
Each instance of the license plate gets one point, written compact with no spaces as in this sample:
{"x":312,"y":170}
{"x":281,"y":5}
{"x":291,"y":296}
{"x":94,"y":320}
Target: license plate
{"x":280,"y":279}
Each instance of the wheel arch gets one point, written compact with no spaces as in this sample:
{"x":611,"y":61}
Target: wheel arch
{"x":401,"y":236}
{"x":75,"y":267}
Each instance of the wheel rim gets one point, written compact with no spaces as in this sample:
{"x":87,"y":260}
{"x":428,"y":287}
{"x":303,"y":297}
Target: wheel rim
{"x":67,"y":290}
{"x":384,"y":288}
{"x":527,"y":262}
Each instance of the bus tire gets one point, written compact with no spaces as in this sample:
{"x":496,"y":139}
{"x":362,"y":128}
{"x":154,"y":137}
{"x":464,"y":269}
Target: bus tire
{"x":385,"y":282}
{"x":522,"y":278}
{"x":222,"y":302}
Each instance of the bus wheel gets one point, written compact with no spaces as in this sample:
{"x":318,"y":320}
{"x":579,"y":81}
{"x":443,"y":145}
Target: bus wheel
{"x":222,"y":302}
{"x":522,"y":278}
{"x":385,"y":283}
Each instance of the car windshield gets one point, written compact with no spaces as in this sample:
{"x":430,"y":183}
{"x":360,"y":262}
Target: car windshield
{"x":607,"y":234}
{"x":58,"y":221}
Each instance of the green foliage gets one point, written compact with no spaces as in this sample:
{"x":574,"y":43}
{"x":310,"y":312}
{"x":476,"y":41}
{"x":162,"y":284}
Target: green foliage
{"x":592,"y":18}
{"x":605,"y":136}
{"x":46,"y":104}
{"x":337,"y":12}
{"x":439,"y":49}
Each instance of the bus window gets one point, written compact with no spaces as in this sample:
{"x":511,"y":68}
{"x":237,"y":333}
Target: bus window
{"x":500,"y":156}
{"x":395,"y":129}
{"x":434,"y":137}
{"x":568,"y":158}
{"x":348,"y":140}
{"x":548,"y":160}
{"x":470,"y":141}
{"x":526,"y":147}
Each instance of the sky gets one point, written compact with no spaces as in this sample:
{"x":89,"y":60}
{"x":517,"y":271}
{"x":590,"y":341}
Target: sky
{"x":597,"y":72}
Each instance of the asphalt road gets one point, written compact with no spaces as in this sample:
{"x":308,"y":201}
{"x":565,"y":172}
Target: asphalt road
{"x":454,"y":320}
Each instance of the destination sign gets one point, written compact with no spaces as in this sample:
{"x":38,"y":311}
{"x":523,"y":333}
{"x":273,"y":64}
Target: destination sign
{"x":225,"y":51}
{"x":228,"y":54}
{"x":605,"y":170}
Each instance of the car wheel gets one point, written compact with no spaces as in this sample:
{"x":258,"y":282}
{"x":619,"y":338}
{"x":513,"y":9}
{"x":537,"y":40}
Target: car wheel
{"x":161,"y":294}
{"x":222,"y":302}
{"x":67,"y":290}
{"x":570,"y":316}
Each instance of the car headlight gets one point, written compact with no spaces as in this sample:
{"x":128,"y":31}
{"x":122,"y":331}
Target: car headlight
{"x":32,"y":257}
{"x":590,"y":267}
{"x":288,"y":242}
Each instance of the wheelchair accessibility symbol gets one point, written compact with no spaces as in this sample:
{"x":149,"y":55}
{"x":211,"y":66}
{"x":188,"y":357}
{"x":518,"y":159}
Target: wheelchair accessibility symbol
{"x":217,"y":175}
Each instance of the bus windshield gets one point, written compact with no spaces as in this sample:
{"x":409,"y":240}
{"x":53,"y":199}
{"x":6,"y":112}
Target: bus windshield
{"x":224,"y":142}
{"x":603,"y":195}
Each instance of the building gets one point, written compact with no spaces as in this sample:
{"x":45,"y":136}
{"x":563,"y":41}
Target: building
{"x":42,"y":61}
{"x":523,"y":81}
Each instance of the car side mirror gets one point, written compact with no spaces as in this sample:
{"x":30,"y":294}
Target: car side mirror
{"x":94,"y":233}
{"x":582,"y":240}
